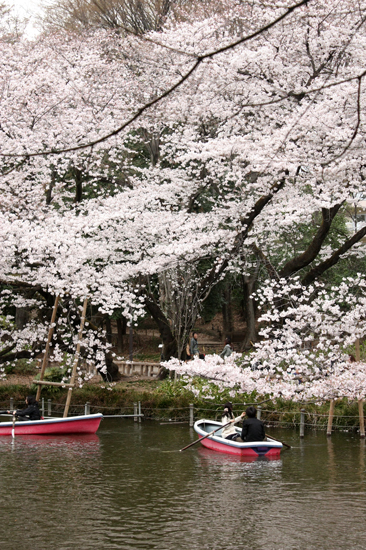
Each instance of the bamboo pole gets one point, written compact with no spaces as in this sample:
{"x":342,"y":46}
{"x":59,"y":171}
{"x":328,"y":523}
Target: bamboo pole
{"x":330,"y":418}
{"x":360,"y":401}
{"x":76,"y":359}
{"x":50,"y":334}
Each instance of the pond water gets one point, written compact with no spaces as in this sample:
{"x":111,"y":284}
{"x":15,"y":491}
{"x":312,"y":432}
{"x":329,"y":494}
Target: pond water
{"x":124,"y":489}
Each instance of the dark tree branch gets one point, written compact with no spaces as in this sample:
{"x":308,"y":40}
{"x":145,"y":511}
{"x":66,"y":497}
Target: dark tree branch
{"x":214,"y":275}
{"x":355,"y":131}
{"x":304,"y":259}
{"x":317,"y":271}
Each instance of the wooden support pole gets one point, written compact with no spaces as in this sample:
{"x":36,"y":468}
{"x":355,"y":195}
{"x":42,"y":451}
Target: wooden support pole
{"x":360,"y":401}
{"x":362,"y":419}
{"x":47,"y":383}
{"x":131,"y":341}
{"x":76,"y":359}
{"x":50,"y":334}
{"x":330,"y":418}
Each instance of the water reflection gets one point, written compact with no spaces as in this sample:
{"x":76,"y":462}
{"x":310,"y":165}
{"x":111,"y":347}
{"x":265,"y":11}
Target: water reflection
{"x":225,"y":459}
{"x":122,"y":490}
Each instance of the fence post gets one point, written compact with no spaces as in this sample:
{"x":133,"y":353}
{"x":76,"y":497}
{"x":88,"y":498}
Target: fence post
{"x":11,"y":405}
{"x":191,"y":415}
{"x":259,"y":412}
{"x":362,"y":419}
{"x":139,"y":404}
{"x":330,"y":418}
{"x":135,"y":412}
{"x":87,"y":408}
{"x":49,"y":407}
{"x":42,"y":406}
{"x":302,"y":423}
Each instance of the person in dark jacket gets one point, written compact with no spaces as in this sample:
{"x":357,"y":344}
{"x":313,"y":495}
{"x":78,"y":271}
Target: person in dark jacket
{"x":253,"y":429}
{"x":31,"y":412}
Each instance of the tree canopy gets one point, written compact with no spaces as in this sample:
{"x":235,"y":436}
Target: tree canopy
{"x":195,"y":148}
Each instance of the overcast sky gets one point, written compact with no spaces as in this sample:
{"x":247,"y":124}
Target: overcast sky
{"x":24,"y":5}
{"x":26,"y":8}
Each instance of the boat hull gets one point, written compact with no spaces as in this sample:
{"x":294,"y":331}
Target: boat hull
{"x":86,"y":424}
{"x":215,"y":442}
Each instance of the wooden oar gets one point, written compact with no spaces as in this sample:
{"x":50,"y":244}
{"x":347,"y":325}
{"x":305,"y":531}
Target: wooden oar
{"x":204,"y":437}
{"x":283,"y":443}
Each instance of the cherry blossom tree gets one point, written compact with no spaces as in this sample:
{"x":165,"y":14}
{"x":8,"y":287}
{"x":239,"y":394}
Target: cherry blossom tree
{"x":301,"y":356}
{"x":127,"y":160}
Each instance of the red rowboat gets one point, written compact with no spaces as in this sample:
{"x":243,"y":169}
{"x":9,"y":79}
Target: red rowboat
{"x":86,"y":424}
{"x":215,"y":442}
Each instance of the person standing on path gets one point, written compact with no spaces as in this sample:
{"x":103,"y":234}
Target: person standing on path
{"x":194,"y":345}
{"x":228,"y":350}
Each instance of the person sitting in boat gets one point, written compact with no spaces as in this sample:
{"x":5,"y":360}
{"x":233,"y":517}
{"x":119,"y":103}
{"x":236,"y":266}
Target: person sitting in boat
{"x":253,"y":429}
{"x":31,"y":412}
{"x":229,"y":431}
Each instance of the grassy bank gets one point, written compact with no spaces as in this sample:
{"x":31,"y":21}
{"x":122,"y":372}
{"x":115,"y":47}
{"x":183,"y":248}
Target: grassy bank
{"x":165,"y":400}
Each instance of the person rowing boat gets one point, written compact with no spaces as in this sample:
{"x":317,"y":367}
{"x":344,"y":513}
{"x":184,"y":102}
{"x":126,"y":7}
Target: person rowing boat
{"x":31,"y":412}
{"x":253,"y":429}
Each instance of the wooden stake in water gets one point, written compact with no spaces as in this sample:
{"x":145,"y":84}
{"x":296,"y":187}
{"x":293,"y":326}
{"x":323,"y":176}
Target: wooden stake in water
{"x":302,"y":423}
{"x":330,"y":418}
{"x":76,"y":359}
{"x":191,"y":415}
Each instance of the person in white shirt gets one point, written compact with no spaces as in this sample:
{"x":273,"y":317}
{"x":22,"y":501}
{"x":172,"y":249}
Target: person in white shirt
{"x":229,"y":431}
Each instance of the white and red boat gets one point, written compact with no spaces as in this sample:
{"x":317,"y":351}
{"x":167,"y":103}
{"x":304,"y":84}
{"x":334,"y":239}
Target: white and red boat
{"x":269,"y":448}
{"x":86,"y":424}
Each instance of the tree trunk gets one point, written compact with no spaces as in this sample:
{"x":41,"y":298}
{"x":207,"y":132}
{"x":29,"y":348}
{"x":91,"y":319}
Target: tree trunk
{"x":249,"y":309}
{"x":21,"y":317}
{"x":121,"y":331}
{"x":249,"y":283}
{"x":108,"y":326}
{"x":169,"y":342}
{"x":227,"y":311}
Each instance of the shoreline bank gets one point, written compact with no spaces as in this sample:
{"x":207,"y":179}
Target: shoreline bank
{"x":166,"y":401}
